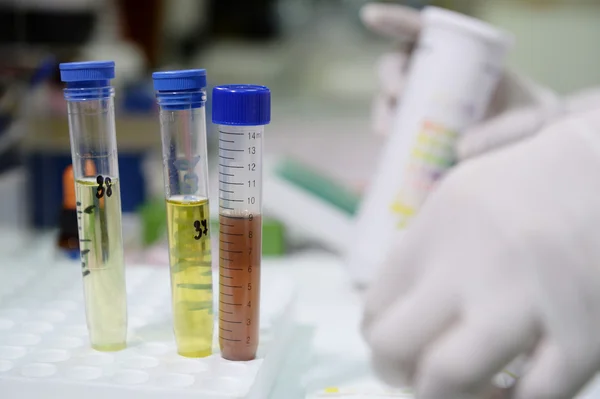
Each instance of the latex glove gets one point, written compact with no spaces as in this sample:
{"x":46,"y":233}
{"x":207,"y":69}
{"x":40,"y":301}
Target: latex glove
{"x":503,"y":259}
{"x":404,"y":23}
{"x":514,"y":125}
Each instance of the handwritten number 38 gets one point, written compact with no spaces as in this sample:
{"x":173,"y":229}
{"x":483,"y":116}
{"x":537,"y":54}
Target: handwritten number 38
{"x":102,"y":181}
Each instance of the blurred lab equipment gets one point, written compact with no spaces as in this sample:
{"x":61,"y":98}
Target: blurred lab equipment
{"x":504,"y":251}
{"x":251,"y":19}
{"x":514,"y":92}
{"x":69,"y":30}
{"x":184,"y":28}
{"x":93,"y":139}
{"x":68,"y":235}
{"x":16,"y":84}
{"x":60,"y":24}
{"x":240,"y":113}
{"x":453,"y":74}
{"x":20,"y":78}
{"x":323,"y":207}
{"x":46,"y":152}
{"x":181,"y":96}
{"x":535,"y":23}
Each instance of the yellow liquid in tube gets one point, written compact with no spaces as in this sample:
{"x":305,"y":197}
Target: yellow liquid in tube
{"x":103,"y":268}
{"x":190,"y":259}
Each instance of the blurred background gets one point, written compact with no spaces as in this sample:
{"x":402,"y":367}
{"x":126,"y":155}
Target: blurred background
{"x":315,"y":55}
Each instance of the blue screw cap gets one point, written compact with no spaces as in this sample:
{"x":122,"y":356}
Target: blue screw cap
{"x":241,"y":105}
{"x":87,"y":71}
{"x":190,"y":79}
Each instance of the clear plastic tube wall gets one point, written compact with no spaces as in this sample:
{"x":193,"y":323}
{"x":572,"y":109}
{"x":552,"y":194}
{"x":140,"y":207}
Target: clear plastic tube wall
{"x":240,"y":112}
{"x":182,"y":98}
{"x":90,"y":100}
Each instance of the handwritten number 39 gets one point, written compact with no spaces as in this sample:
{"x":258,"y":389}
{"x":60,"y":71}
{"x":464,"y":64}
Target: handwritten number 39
{"x":102,"y":181}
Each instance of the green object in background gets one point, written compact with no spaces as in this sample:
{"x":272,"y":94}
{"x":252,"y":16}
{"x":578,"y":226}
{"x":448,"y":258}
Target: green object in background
{"x":154,"y":221}
{"x":273,"y":243}
{"x":319,"y":185}
{"x":154,"y":227}
{"x":273,"y":238}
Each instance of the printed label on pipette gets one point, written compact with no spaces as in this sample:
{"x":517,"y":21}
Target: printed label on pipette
{"x":431,"y":156}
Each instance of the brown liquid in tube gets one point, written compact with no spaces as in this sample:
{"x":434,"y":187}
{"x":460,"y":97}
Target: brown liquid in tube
{"x":239,"y":286}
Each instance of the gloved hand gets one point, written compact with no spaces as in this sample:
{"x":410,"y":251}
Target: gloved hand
{"x":516,"y":124}
{"x":404,"y":24}
{"x":519,"y":108}
{"x":503,"y":259}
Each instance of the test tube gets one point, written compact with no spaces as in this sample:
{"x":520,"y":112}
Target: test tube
{"x":181,"y":96}
{"x":95,"y":166}
{"x":241,"y":112}
{"x":456,"y":66}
